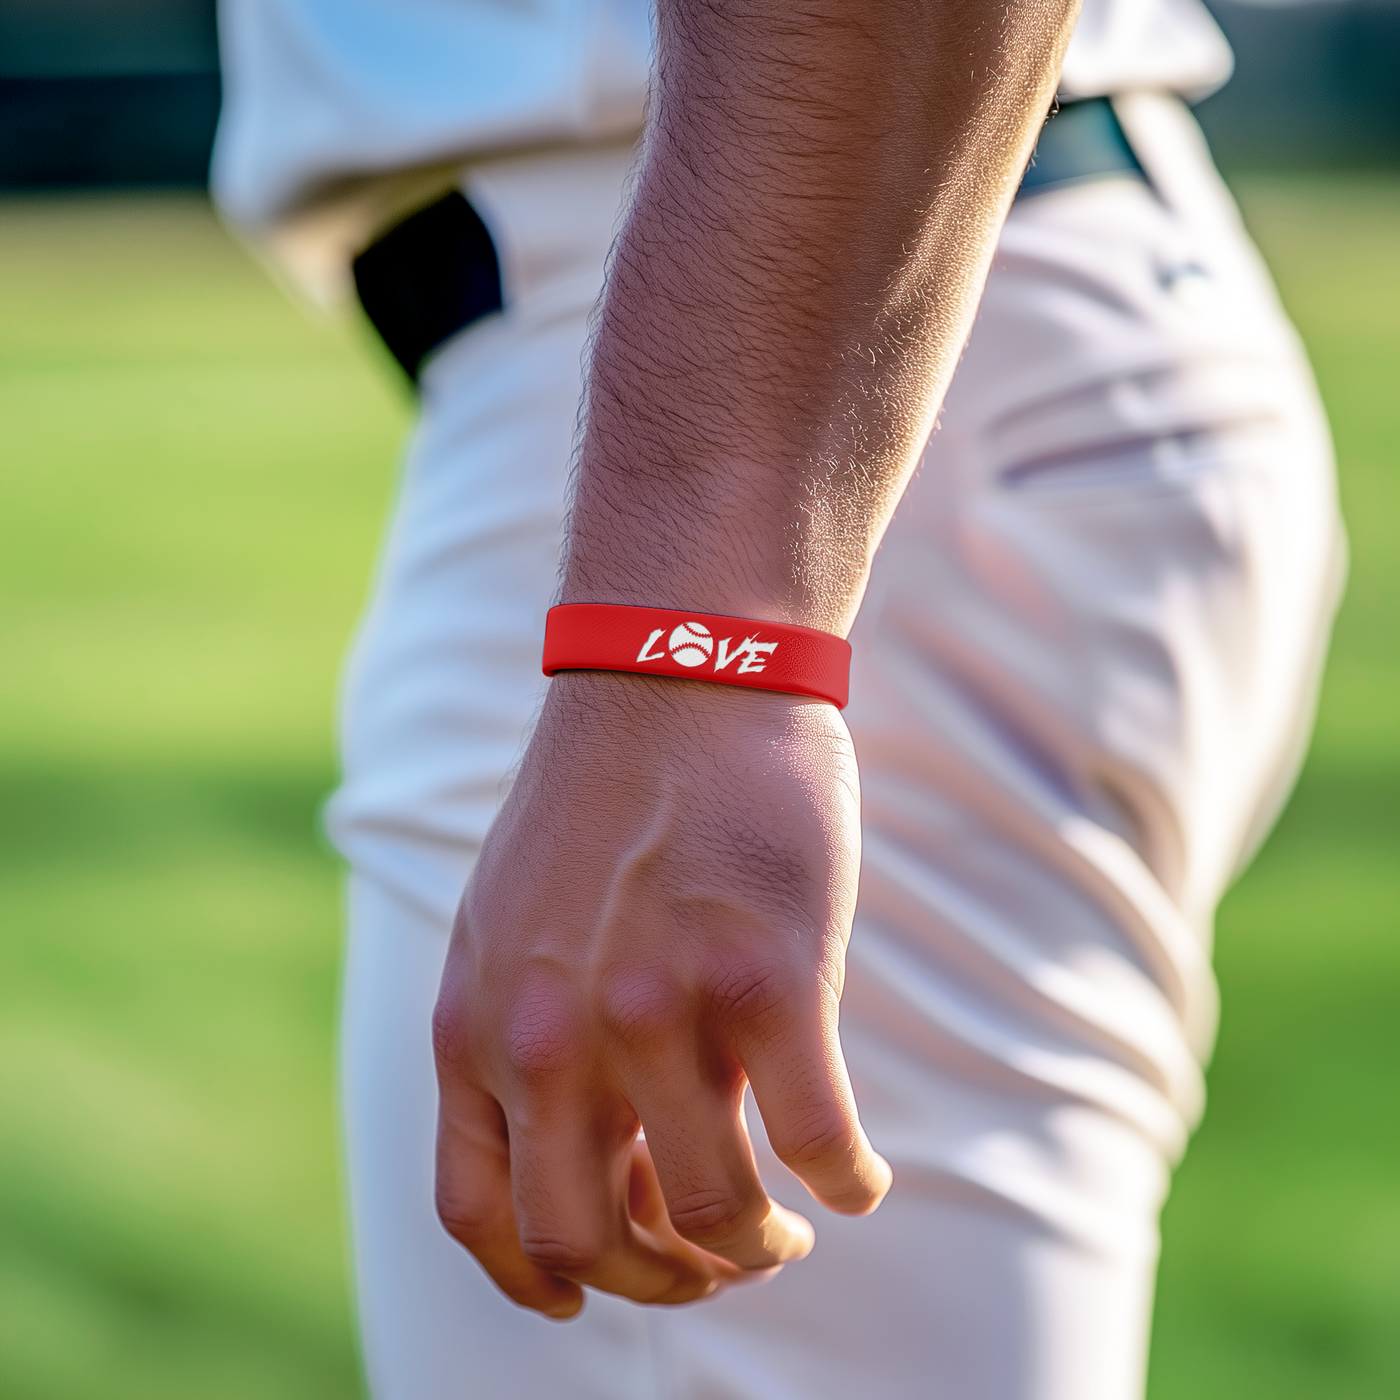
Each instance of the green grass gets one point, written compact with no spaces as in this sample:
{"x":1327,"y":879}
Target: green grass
{"x":194,"y":477}
{"x":193,"y":480}
{"x":1281,"y":1265}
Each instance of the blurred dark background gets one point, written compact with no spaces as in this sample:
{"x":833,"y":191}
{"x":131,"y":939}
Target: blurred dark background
{"x":126,"y":92}
{"x":106,"y":92}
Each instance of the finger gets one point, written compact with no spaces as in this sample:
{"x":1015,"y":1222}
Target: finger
{"x":647,"y":1206}
{"x":698,"y":1141}
{"x":474,"y":1202}
{"x":645,"y":1202}
{"x":794,"y":1063}
{"x":572,"y":1183}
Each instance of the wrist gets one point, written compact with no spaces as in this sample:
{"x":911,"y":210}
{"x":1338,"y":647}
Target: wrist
{"x":633,"y":707}
{"x":704,"y":575}
{"x":641,"y":737}
{"x":628,"y":719}
{"x":684,"y":645}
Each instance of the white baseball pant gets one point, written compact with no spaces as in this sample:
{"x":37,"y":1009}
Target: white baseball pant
{"x":1083,"y":676}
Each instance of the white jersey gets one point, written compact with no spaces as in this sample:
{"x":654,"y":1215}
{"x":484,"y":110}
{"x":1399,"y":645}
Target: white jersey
{"x":322,"y":97}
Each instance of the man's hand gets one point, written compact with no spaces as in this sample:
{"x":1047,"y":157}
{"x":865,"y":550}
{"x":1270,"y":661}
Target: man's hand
{"x":659,"y":917}
{"x":660,"y":912}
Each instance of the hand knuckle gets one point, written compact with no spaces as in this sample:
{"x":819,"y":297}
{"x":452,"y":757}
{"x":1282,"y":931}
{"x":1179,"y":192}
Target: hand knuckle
{"x":465,"y":1216}
{"x":450,"y":1037}
{"x":753,"y":992}
{"x":559,"y":1255}
{"x":541,"y":1040}
{"x":709,"y":1217}
{"x":821,"y":1140}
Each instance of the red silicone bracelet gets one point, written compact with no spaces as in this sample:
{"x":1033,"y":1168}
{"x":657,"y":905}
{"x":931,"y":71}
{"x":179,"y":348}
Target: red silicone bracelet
{"x":698,"y":647}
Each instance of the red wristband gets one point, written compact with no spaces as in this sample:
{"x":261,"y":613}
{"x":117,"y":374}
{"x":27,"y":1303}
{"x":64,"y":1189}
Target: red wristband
{"x":698,"y":647}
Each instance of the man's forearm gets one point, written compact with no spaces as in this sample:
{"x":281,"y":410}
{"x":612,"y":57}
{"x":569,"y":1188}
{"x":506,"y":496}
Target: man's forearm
{"x":814,"y":219}
{"x":658,"y":919}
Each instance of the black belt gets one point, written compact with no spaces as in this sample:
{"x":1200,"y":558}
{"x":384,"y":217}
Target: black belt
{"x":436,"y":272}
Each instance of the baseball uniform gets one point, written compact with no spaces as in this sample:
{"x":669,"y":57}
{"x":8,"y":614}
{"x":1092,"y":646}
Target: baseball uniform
{"x":1082,"y":680}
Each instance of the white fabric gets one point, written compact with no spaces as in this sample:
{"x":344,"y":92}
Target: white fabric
{"x":1148,"y":45}
{"x":320,"y":89}
{"x":1081,"y":680}
{"x":327,"y":103}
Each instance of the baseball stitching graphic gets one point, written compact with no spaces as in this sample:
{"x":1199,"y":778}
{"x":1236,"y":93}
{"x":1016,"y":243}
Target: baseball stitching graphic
{"x":691,"y":644}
